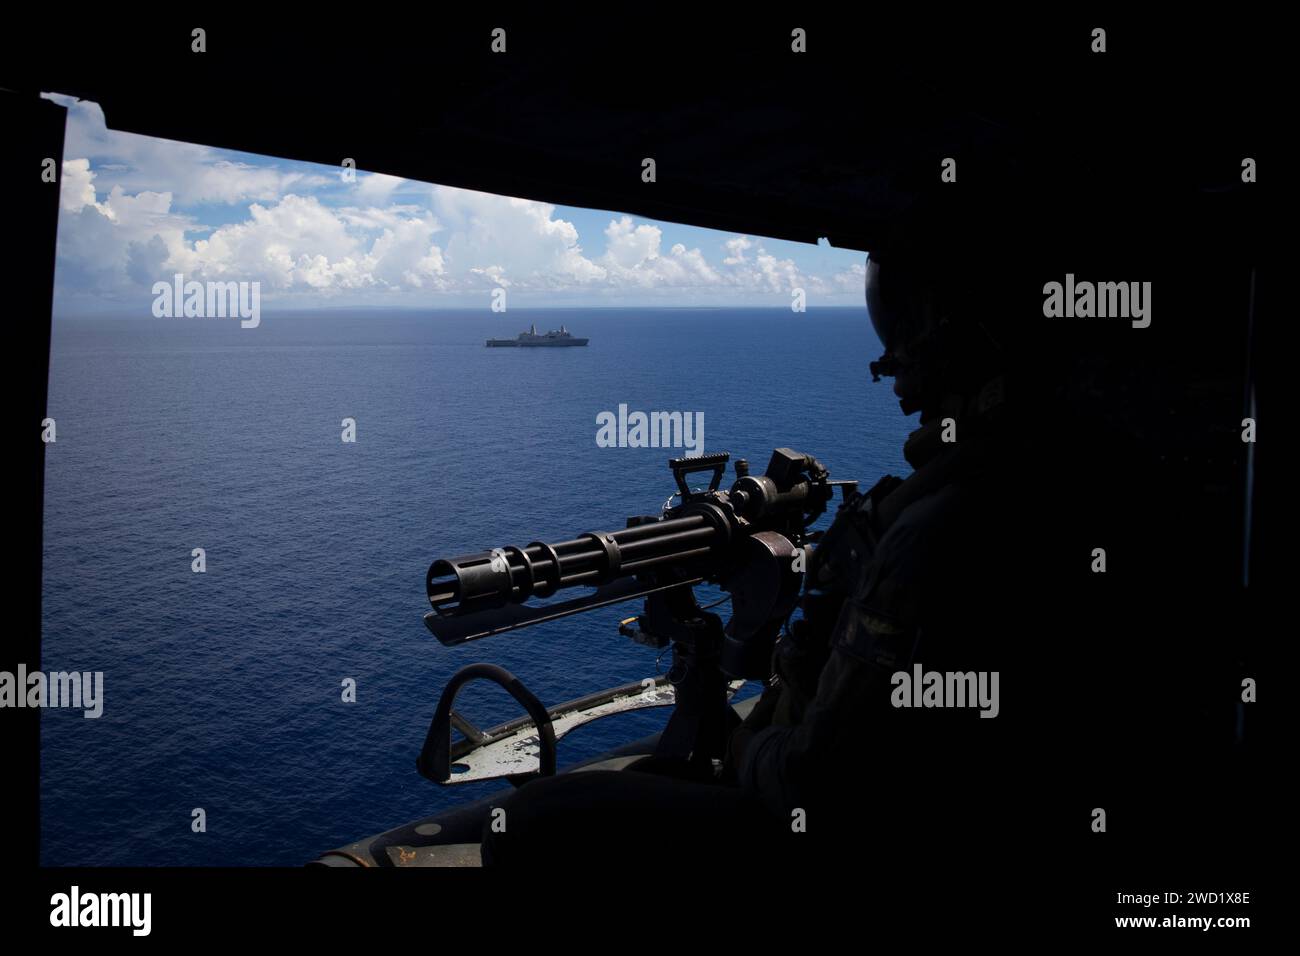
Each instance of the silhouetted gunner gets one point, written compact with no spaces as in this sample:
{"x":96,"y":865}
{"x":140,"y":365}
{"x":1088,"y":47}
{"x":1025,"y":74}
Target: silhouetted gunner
{"x":915,"y":571}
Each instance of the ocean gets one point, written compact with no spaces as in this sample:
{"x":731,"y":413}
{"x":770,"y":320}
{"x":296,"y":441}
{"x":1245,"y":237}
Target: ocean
{"x":223,"y":689}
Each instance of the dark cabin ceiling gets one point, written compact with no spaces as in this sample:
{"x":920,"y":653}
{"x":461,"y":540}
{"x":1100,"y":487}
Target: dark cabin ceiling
{"x":747,"y":136}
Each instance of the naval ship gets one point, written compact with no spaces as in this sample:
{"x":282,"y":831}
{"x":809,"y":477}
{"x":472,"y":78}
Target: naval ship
{"x":531,"y":339}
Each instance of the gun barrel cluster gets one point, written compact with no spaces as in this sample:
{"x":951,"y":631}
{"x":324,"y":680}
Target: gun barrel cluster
{"x":512,"y":575}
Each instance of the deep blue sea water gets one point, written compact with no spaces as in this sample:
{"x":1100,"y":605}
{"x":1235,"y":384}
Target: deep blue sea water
{"x":223,"y":689}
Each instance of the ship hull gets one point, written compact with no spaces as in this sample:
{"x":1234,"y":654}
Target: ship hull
{"x":515,"y":344}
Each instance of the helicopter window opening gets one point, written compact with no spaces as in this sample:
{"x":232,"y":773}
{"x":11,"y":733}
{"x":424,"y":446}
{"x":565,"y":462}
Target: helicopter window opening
{"x":322,"y":453}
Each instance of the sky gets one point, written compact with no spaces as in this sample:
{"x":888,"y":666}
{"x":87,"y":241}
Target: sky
{"x":137,"y":210}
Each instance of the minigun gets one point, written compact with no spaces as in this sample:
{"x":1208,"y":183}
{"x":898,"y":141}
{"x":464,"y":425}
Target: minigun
{"x":749,"y":540}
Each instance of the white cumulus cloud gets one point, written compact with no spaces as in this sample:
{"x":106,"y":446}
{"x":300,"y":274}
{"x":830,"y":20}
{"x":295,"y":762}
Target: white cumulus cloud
{"x":136,"y":210}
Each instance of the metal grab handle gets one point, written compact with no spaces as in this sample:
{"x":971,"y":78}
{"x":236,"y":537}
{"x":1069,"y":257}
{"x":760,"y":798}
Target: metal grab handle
{"x":434,"y":762}
{"x":681,"y":467}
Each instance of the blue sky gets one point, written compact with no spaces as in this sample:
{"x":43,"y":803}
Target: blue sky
{"x":136,"y":210}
